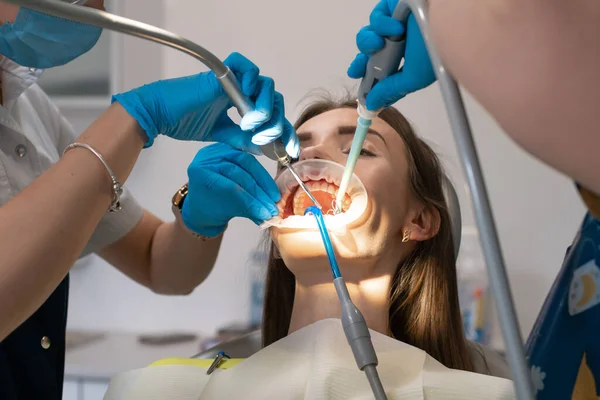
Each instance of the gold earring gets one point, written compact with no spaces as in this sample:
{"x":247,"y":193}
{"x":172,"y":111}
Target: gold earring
{"x":406,"y":236}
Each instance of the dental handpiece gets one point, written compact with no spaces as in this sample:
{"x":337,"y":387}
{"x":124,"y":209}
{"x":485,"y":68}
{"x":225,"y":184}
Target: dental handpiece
{"x":382,"y":64}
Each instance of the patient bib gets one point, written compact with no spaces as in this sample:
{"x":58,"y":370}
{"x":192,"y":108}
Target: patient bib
{"x":315,"y":362}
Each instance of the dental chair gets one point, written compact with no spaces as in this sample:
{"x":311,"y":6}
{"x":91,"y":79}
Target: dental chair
{"x":246,"y":345}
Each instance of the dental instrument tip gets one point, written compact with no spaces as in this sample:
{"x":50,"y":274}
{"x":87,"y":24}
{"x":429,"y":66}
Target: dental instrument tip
{"x":303,"y":186}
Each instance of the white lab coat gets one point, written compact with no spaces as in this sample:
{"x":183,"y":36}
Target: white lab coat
{"x":33,"y":135}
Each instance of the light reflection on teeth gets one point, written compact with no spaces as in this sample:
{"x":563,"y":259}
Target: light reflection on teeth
{"x":300,"y":200}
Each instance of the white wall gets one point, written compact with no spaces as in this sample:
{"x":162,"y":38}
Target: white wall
{"x":306,"y":45}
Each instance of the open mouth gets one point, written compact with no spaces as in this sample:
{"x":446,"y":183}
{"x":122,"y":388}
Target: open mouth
{"x":294,"y":201}
{"x":322,"y":178}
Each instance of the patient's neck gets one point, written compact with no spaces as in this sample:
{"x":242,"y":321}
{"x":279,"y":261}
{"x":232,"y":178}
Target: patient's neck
{"x":317,"y":300}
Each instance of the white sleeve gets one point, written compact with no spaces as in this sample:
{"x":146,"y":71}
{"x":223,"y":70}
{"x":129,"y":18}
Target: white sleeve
{"x":114,"y":225}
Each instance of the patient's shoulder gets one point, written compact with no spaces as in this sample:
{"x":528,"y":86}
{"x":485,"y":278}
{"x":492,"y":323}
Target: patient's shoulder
{"x":487,"y":361}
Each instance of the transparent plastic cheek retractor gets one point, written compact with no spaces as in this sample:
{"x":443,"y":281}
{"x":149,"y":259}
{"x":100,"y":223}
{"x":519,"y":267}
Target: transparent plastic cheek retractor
{"x":325,"y":176}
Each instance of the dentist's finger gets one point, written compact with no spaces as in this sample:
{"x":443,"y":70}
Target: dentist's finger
{"x":368,"y":41}
{"x":358,"y":67}
{"x":290,"y":139}
{"x":258,"y":173}
{"x":272,"y":129}
{"x":263,"y":109}
{"x":230,"y":133}
{"x":245,"y":71}
{"x":382,"y":23}
{"x":244,"y":180}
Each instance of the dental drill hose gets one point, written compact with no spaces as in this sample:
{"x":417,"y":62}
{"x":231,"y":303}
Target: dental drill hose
{"x":382,"y":64}
{"x":354,"y":324}
{"x":102,"y":19}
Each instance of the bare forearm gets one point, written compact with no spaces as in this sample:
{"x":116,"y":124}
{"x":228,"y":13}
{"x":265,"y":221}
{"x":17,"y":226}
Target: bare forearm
{"x":180,"y":262}
{"x":46,"y":226}
{"x":162,"y":256}
{"x":534,"y":66}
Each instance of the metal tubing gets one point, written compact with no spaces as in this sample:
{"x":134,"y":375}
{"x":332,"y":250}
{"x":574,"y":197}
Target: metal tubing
{"x":103,"y":19}
{"x":483,"y":213}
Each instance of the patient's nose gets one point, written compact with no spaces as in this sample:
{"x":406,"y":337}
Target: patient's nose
{"x":312,"y":153}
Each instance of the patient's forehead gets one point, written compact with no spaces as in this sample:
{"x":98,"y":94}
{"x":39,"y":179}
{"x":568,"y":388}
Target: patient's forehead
{"x":327,"y":124}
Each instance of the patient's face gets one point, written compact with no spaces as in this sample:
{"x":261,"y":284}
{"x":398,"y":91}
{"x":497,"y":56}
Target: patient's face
{"x":383,"y":170}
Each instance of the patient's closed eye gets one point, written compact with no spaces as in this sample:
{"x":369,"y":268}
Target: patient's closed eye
{"x":363,"y":152}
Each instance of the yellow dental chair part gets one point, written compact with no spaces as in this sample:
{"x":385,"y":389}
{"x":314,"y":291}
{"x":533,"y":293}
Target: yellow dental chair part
{"x":200,"y":363}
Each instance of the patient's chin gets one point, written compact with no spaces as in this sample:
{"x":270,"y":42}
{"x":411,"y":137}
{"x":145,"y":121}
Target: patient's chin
{"x":306,"y":246}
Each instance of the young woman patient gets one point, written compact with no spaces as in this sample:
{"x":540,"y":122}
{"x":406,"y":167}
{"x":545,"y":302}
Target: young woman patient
{"x":397,"y":259}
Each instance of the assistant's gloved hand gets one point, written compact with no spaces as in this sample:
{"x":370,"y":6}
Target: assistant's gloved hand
{"x":190,"y":108}
{"x":225,"y":183}
{"x":417,"y":71}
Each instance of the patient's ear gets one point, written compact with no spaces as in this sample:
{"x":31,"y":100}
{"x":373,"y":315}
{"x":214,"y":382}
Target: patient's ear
{"x":424,"y":224}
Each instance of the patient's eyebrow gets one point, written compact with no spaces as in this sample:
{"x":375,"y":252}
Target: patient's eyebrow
{"x":304,"y":136}
{"x":351,"y":129}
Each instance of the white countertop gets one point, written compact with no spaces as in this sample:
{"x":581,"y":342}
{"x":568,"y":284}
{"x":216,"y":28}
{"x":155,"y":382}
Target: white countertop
{"x":120,"y":352}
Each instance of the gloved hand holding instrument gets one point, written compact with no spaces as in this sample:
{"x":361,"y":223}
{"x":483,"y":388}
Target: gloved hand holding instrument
{"x":273,"y":135}
{"x":225,"y":183}
{"x":170,"y":108}
{"x":224,"y":180}
{"x":383,"y":45}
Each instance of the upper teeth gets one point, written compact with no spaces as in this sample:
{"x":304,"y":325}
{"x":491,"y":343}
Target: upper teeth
{"x":300,"y":197}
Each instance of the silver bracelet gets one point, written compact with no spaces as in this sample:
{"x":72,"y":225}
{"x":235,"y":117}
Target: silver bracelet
{"x":116,"y":186}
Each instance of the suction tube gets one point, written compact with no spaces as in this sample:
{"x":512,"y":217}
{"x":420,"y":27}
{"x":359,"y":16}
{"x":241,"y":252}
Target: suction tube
{"x":362,"y":128}
{"x":483,"y":213}
{"x":335,"y":270}
{"x":354,"y":324}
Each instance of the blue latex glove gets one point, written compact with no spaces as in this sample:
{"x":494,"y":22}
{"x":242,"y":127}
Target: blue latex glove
{"x":417,"y":71}
{"x":225,"y":183}
{"x":193,"y":107}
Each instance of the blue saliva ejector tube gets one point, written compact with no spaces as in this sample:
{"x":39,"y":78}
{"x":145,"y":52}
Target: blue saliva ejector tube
{"x":354,"y":324}
{"x":382,"y":64}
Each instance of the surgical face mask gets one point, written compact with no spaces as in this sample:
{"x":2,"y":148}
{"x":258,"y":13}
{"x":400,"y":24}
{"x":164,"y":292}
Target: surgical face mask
{"x":37,"y":40}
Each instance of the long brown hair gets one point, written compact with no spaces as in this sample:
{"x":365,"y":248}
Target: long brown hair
{"x":424,"y":309}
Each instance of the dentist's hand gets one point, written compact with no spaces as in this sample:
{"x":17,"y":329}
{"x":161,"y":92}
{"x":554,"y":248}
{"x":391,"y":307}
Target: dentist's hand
{"x":195,"y":108}
{"x":417,"y":71}
{"x":225,"y":183}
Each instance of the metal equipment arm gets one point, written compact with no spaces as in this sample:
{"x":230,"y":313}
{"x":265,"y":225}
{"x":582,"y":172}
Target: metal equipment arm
{"x":71,"y":10}
{"x":483,"y":213}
